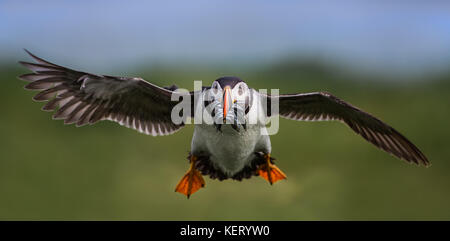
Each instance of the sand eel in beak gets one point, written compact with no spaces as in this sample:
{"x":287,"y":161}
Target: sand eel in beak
{"x":229,"y":147}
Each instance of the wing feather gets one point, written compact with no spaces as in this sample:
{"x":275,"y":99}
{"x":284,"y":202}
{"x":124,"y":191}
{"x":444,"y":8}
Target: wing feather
{"x":321,"y":106}
{"x":84,"y":98}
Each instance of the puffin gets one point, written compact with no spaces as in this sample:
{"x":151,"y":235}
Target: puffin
{"x":231,"y":138}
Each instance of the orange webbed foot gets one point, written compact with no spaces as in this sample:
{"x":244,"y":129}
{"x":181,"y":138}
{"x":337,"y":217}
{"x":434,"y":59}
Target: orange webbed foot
{"x":270,"y":172}
{"x":192,"y":181}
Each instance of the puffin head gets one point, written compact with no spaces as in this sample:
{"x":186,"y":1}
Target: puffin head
{"x":232,"y":95}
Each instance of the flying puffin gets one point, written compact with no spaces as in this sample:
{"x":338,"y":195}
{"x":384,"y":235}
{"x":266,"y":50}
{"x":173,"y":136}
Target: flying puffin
{"x":228,"y":147}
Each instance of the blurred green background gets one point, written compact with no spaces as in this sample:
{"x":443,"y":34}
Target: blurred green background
{"x":50,"y":171}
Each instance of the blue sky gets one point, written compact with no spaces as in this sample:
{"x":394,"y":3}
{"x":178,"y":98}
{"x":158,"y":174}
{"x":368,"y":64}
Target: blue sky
{"x":378,"y":35}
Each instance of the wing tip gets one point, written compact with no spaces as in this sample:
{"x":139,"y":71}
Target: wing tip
{"x":27,"y":51}
{"x":426,"y":163}
{"x":23,"y":63}
{"x":24,"y":77}
{"x":420,"y":161}
{"x":34,"y":56}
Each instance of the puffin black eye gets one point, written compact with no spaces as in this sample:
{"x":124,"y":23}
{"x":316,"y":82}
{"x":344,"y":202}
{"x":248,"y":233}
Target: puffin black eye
{"x":215,"y":88}
{"x":240,"y":90}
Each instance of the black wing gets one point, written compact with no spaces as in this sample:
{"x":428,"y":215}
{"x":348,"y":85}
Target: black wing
{"x":322,"y":106}
{"x":84,"y":98}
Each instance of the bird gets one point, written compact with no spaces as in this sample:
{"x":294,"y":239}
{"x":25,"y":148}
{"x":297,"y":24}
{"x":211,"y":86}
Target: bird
{"x":228,"y":146}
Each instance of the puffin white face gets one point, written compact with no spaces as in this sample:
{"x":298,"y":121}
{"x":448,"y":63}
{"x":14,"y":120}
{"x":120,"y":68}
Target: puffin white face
{"x":230,"y":98}
{"x":240,"y":92}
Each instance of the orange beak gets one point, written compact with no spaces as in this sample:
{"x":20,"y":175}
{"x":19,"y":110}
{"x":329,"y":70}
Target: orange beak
{"x":226,"y":101}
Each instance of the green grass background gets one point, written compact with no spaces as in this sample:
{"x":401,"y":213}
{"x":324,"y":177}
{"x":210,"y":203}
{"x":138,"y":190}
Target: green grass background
{"x":50,"y":171}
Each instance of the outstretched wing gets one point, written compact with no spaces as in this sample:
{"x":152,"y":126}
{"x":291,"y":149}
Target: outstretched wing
{"x":84,"y":98}
{"x":322,"y":106}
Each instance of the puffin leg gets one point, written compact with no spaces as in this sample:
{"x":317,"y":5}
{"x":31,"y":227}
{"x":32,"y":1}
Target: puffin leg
{"x":192,"y":181}
{"x":270,"y":172}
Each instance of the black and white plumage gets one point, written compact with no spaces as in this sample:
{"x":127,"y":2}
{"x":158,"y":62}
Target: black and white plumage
{"x":221,"y":150}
